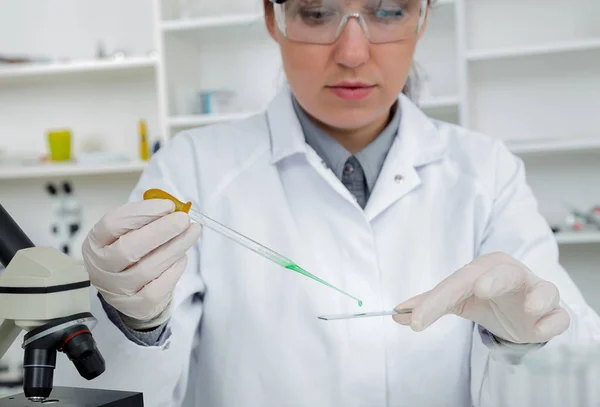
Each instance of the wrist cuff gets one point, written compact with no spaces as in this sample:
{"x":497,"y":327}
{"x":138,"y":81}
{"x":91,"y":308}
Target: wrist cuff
{"x":155,"y":322}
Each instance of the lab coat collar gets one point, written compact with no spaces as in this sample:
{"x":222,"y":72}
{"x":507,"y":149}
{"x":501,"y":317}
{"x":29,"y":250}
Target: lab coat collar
{"x":419,"y":142}
{"x":285,"y":130}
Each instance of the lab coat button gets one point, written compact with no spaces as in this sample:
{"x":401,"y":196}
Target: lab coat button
{"x":398,"y":178}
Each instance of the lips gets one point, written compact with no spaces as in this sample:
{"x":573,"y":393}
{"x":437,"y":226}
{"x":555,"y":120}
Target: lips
{"x":351,"y":90}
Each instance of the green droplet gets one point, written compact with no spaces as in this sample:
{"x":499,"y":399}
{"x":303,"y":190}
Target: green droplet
{"x":360,"y":303}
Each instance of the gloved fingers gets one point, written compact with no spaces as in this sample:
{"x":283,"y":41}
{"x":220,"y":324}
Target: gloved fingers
{"x":130,"y":216}
{"x":411,"y":303}
{"x":501,"y":280}
{"x":450,"y":296}
{"x":542,"y":298}
{"x":551,"y":325}
{"x":447,"y":297}
{"x":403,"y":319}
{"x":157,"y":294}
{"x":406,"y":319}
{"x":131,"y":247}
{"x":142,"y":306}
{"x":150,"y":267}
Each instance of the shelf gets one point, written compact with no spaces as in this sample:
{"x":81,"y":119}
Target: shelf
{"x":565,"y":238}
{"x":203,"y":120}
{"x":211,"y":22}
{"x":544,"y":49}
{"x":66,"y":170}
{"x":91,"y":66}
{"x":553,"y":146}
{"x":440,"y":102}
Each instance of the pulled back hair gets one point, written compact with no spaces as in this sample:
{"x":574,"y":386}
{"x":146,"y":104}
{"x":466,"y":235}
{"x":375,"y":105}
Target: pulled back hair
{"x":411,"y":88}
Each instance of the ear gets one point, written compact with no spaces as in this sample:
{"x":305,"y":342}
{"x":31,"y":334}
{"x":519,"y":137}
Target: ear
{"x":425,"y":21}
{"x":270,"y":19}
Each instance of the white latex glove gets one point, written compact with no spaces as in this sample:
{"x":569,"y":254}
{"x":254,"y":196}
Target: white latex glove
{"x":497,"y":292}
{"x":136,"y":254}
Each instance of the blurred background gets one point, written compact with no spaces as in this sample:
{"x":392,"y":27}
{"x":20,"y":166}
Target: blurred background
{"x":90,"y":89}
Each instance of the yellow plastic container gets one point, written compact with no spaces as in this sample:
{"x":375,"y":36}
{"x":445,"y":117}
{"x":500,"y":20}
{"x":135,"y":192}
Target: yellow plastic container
{"x":144,"y":146}
{"x":59,"y":142}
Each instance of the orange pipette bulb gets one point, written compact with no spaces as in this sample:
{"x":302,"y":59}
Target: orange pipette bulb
{"x":156,"y":193}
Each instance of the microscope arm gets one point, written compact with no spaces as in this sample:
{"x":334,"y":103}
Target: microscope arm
{"x":8,"y":334}
{"x":12,"y":239}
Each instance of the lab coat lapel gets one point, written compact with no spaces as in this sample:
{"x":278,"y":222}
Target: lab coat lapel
{"x":418,"y":143}
{"x":288,"y":139}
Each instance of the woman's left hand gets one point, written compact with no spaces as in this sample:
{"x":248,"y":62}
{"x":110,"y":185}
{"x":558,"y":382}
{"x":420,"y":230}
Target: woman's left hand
{"x":497,"y":292}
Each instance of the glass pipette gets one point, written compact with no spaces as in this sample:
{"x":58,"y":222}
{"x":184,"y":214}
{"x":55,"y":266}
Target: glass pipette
{"x":364,"y":315}
{"x":239,"y":238}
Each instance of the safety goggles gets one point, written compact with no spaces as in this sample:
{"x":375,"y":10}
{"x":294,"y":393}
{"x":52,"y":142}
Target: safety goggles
{"x":323,"y":21}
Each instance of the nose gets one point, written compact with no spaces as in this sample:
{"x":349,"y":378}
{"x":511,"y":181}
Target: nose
{"x":352,"y":47}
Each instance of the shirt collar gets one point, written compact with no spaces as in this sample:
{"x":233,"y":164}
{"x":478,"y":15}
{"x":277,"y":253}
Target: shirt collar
{"x":419,"y":137}
{"x":371,"y":158}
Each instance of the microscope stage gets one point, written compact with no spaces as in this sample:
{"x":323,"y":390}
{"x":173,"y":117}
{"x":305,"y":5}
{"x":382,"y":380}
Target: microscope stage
{"x":75,"y":397}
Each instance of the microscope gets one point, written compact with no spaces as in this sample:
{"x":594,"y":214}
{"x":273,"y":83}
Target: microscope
{"x":47,"y":294}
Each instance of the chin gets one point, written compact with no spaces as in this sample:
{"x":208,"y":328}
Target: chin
{"x":348,"y":118}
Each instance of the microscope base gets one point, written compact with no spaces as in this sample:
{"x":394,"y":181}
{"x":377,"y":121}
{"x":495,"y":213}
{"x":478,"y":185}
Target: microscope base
{"x":75,"y":397}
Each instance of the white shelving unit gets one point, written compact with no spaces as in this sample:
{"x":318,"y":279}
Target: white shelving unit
{"x":50,"y":70}
{"x":101,"y":100}
{"x":440,"y":102}
{"x":180,"y":122}
{"x":554,"y":146}
{"x":568,"y":238}
{"x":211,"y":22}
{"x":69,"y":170}
{"x":214,"y":47}
{"x":534,"y":50}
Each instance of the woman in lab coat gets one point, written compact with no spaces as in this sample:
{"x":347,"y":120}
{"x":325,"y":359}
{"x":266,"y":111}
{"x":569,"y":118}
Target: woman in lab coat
{"x":359,"y":187}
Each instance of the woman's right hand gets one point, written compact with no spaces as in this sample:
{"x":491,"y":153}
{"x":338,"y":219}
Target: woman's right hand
{"x":136,"y":254}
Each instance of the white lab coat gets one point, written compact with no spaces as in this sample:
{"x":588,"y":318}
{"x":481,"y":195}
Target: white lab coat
{"x":445,"y":196}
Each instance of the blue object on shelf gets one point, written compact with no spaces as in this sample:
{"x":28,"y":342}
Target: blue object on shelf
{"x":207,"y":102}
{"x":216,"y":101}
{"x":156,"y":146}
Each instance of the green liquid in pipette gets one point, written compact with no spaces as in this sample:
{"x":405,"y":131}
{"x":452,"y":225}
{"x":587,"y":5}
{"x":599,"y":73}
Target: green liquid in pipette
{"x":298,"y":269}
